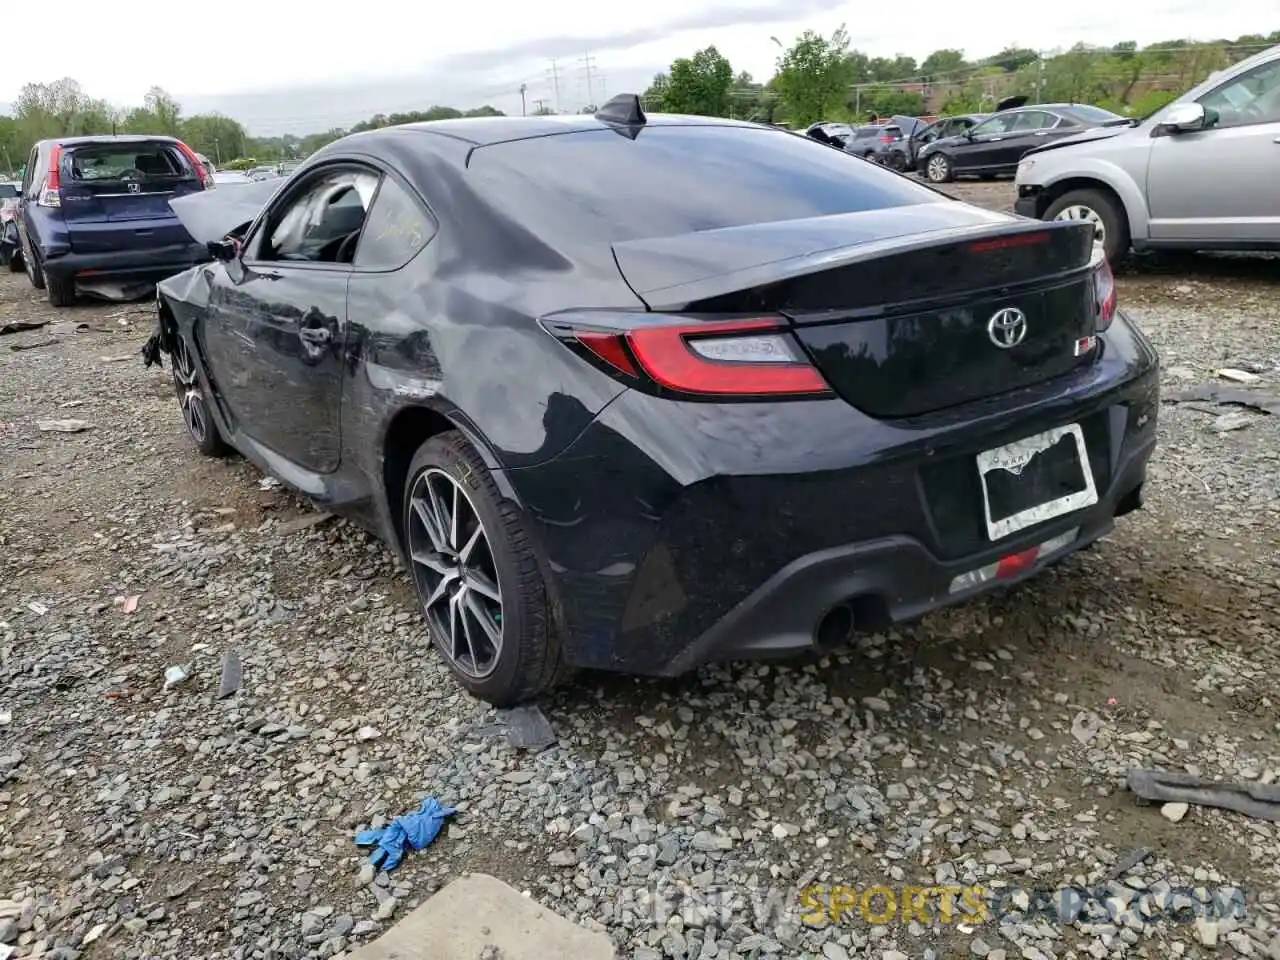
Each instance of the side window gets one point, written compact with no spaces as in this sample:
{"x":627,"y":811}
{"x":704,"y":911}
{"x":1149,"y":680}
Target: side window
{"x":396,"y":230}
{"x":1252,"y":97}
{"x":29,"y":178}
{"x":996,"y":125}
{"x":322,"y":225}
{"x":1034,"y":120}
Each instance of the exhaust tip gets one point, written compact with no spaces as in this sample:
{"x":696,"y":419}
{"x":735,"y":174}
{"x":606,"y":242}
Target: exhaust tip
{"x":835,"y":628}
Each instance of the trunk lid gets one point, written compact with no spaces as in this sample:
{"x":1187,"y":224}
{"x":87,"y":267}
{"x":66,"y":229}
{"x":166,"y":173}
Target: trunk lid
{"x":115,"y":194}
{"x":901,"y":309}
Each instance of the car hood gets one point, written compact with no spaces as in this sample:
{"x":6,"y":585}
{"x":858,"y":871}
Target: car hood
{"x":1085,"y":136}
{"x":212,"y":214}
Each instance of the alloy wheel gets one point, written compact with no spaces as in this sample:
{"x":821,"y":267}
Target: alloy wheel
{"x":1080,"y":212}
{"x":454,"y":568}
{"x":193,"y":409}
{"x":937,"y":168}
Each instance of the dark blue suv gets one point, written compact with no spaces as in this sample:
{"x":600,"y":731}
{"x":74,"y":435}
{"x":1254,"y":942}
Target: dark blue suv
{"x":96,"y":209}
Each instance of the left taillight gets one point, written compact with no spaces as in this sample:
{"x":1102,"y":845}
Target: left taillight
{"x":51,"y":193}
{"x":1104,"y":292}
{"x":206,"y":178}
{"x":717,"y":359}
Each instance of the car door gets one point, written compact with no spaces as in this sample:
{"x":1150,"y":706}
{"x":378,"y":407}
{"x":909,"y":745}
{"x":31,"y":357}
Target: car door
{"x":1030,"y":128}
{"x":276,"y":327}
{"x":982,"y":144}
{"x":1218,"y":184}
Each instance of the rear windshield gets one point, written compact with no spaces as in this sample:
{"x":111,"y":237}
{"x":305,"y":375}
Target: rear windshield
{"x":112,"y":161}
{"x":1092,"y":114}
{"x":8,"y":191}
{"x":673,"y":180}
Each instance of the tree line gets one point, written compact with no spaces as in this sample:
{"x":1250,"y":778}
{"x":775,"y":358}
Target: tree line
{"x":822,"y":78}
{"x":818,"y":77}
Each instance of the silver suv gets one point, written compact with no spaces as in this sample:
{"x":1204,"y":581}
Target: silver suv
{"x":1198,"y":174}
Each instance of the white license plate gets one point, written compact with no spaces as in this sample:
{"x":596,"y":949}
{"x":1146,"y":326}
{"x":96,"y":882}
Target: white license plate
{"x":1015,"y":459}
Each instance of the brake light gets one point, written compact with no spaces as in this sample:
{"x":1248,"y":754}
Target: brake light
{"x":1006,"y":243}
{"x":731,"y":359}
{"x":1104,"y":291}
{"x":51,"y":193}
{"x":886,"y":139}
{"x":206,"y":179}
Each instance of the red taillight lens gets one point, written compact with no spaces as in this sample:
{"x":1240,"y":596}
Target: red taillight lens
{"x":51,"y":194}
{"x":713,"y":359}
{"x":1104,"y":291}
{"x":886,"y":139}
{"x":206,"y":180}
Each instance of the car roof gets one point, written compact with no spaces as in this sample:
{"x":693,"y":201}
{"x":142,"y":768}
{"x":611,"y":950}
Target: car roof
{"x":482,"y":131}
{"x":124,"y":138}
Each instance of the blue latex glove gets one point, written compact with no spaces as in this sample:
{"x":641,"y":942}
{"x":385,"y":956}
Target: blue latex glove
{"x":416,"y":830}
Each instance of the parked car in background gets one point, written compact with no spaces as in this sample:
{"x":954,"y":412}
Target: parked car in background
{"x":993,"y":147}
{"x":567,"y":394}
{"x":837,"y":133}
{"x":908,"y":149}
{"x":893,"y":146}
{"x":262,"y":173}
{"x":97,"y":209}
{"x":1201,"y":173}
{"x":287,"y":168}
{"x":205,"y":162}
{"x":864,"y":140}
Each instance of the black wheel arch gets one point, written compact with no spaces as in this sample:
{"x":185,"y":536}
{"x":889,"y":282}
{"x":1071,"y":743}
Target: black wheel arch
{"x":1047,"y":195}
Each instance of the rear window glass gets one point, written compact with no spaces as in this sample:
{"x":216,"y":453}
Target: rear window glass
{"x":673,"y":180}
{"x":1092,"y":114}
{"x":111,"y":162}
{"x":8,"y":191}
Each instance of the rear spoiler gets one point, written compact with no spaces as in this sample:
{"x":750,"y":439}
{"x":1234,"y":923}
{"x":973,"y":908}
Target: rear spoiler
{"x":668,"y":273}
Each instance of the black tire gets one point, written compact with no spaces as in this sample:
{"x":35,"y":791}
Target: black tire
{"x":1115,"y":222}
{"x":34,"y":272}
{"x":528,"y":662}
{"x":60,"y":290}
{"x":17,"y":262}
{"x":938,"y":168}
{"x":196,"y":410}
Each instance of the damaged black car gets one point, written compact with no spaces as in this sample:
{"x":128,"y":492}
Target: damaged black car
{"x":637,"y":393}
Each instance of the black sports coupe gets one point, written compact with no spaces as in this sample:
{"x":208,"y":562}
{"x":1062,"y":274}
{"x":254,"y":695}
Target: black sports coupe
{"x":634,"y":392}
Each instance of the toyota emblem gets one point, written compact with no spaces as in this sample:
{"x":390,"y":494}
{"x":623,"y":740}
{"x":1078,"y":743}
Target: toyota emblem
{"x":1007,"y":328}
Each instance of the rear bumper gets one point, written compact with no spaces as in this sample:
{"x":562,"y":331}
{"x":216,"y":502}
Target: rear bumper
{"x":676,"y":533}
{"x":141,"y":265}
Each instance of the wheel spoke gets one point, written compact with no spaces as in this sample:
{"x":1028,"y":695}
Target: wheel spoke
{"x":464,"y":554}
{"x":454,"y":535}
{"x":440,"y":512}
{"x":455,"y":614}
{"x":434,"y":562}
{"x":441,"y":590}
{"x":478,"y":581}
{"x":430,"y":523}
{"x":484,"y":618}
{"x":471,"y":646}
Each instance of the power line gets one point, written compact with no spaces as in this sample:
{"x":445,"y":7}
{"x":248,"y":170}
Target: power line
{"x":555,"y":82}
{"x":588,"y":63}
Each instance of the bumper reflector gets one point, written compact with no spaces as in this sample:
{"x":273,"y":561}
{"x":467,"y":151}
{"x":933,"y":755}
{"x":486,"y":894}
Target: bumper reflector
{"x":1006,"y":568}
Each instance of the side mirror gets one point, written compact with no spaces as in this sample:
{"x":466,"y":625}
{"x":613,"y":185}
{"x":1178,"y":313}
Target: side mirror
{"x":223,"y":250}
{"x":1184,"y":117}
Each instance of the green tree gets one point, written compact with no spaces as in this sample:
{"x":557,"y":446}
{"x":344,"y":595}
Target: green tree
{"x":814,"y":75}
{"x":942,"y":63}
{"x":699,"y":85}
{"x":215,"y":136}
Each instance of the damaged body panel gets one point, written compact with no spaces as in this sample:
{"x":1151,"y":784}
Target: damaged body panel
{"x":737,"y":394}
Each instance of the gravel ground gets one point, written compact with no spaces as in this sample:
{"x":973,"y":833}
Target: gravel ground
{"x":986,"y":746}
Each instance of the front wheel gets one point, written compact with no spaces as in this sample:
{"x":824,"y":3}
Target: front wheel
{"x":195,"y":407}
{"x":477,"y":576}
{"x":1110,"y":225}
{"x":938,"y":169}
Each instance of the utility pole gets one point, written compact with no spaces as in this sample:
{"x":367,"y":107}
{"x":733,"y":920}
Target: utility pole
{"x":588,"y":63}
{"x":1040,"y":81}
{"x":523,"y":111}
{"x":217,"y":151}
{"x":555,"y":83}
{"x":538,"y":106}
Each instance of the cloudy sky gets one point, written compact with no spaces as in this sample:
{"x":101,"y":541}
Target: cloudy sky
{"x":320,"y":65}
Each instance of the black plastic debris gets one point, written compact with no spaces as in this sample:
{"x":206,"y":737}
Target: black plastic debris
{"x":232,"y":675}
{"x":527,"y":728}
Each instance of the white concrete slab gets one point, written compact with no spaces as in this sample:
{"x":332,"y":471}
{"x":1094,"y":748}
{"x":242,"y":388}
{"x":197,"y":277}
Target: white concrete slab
{"x":478,"y":911}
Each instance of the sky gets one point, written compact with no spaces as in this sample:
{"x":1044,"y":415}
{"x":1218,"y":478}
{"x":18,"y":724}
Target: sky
{"x":320,"y":65}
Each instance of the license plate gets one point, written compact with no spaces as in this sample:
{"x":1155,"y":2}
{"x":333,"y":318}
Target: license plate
{"x":1036,"y":479}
